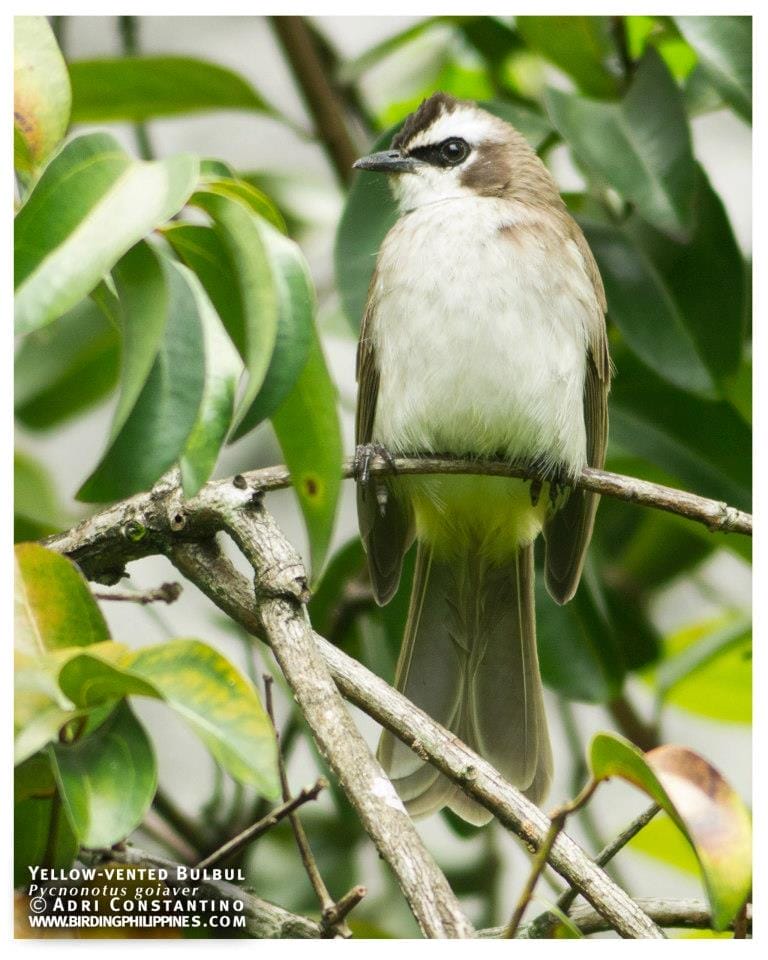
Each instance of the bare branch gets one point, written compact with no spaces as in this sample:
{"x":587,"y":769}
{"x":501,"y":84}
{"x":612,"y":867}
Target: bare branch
{"x":670,"y":914}
{"x":302,"y":842}
{"x":230,"y":591}
{"x":165,"y":593}
{"x":261,"y":826}
{"x":281,"y":592}
{"x":545,"y":922}
{"x":309,"y":72}
{"x":264,"y":920}
{"x":556,"y":824}
{"x":104,"y":543}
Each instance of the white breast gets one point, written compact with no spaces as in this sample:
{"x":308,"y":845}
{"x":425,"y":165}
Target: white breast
{"x":480,"y":336}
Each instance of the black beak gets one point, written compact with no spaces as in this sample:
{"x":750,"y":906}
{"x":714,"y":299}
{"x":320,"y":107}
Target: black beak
{"x":387,"y":161}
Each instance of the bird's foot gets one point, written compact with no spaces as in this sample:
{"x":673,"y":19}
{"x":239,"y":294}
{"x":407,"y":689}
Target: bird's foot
{"x":559,"y":481}
{"x":365,"y":453}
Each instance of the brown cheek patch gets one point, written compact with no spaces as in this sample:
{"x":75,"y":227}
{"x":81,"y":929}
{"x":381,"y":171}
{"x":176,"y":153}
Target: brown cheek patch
{"x":490,"y":173}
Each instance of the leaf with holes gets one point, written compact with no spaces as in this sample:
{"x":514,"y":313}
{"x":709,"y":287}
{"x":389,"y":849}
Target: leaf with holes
{"x":702,"y":804}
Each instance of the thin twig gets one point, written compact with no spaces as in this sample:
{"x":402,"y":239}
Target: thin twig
{"x":129,"y":39}
{"x":300,"y":836}
{"x":309,"y":72}
{"x":557,"y":822}
{"x":667,"y":913}
{"x":334,"y":916}
{"x":165,"y":593}
{"x":542,"y":925}
{"x":262,"y":826}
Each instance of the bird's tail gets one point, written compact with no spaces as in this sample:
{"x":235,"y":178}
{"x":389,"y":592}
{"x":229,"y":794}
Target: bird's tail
{"x":469,"y":660}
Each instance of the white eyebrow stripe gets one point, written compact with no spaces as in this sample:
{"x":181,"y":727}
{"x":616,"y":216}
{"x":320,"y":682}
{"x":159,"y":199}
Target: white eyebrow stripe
{"x":469,"y":124}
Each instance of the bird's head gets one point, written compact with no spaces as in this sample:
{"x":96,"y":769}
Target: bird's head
{"x":449,"y":149}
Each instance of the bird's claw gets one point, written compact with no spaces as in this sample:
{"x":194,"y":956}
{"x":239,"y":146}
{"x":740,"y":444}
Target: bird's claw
{"x":365,"y":453}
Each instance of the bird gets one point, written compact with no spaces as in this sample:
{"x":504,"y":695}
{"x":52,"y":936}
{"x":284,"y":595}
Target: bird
{"x":483,"y":336}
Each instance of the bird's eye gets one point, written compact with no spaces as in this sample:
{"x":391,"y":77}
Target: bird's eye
{"x":453,"y":151}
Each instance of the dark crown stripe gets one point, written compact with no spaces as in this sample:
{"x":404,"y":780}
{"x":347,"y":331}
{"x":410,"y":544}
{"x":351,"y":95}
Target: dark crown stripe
{"x":424,"y":117}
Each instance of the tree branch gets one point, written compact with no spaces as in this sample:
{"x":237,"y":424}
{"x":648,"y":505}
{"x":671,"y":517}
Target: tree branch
{"x":104,"y":543}
{"x":261,"y":826}
{"x":309,"y":72}
{"x":281,"y":592}
{"x":264,"y":920}
{"x":165,"y":593}
{"x":163,"y":522}
{"x":227,"y":588}
{"x":680,"y":914}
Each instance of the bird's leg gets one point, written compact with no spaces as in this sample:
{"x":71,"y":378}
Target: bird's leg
{"x":364,"y":454}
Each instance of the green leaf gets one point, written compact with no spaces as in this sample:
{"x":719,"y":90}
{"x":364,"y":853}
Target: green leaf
{"x":218,"y":703}
{"x":92,"y":203}
{"x":296,"y":307}
{"x":705,"y":278}
{"x":707,"y":670}
{"x":308,"y":430}
{"x":107,"y":779}
{"x":140,"y":88}
{"x":36,"y":509}
{"x":99,"y":676}
{"x":247,"y":193}
{"x":222,"y":372}
{"x":141,"y":310}
{"x":242,"y":234}
{"x":155,"y":432}
{"x":54,"y":611}
{"x":661,"y":424}
{"x":662,"y":840}
{"x":370,"y":211}
{"x":701,"y":803}
{"x":41,"y":92}
{"x":352,"y":70}
{"x":66,"y":367}
{"x":202,"y":250}
{"x":642,"y":307}
{"x":580,"y":46}
{"x":724,"y":46}
{"x":579,"y":652}
{"x":42,"y":836}
{"x":53,"y":605}
{"x":641,"y":146}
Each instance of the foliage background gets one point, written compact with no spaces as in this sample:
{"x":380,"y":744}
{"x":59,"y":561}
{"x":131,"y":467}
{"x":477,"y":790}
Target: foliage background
{"x":663,"y":586}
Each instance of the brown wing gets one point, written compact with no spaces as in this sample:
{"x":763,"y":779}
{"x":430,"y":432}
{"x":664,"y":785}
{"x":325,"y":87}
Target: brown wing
{"x":386,"y":523}
{"x":569,"y":531}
